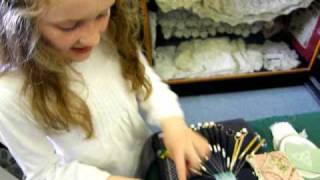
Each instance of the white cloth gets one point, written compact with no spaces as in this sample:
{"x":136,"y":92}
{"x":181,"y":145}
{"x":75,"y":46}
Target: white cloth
{"x":184,"y":23}
{"x":217,"y":56}
{"x":236,"y":12}
{"x":120,"y":132}
{"x":280,"y":131}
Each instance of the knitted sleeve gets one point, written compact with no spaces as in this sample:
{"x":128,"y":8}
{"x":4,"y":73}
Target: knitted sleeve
{"x":31,"y":149}
{"x":162,"y":103}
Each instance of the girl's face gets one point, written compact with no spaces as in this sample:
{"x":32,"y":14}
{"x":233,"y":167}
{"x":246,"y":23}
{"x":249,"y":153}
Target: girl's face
{"x":74,"y":27}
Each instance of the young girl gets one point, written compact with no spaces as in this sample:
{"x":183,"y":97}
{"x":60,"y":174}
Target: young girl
{"x":73,"y":77}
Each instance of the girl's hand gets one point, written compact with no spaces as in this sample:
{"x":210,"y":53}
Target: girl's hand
{"x":186,"y":148}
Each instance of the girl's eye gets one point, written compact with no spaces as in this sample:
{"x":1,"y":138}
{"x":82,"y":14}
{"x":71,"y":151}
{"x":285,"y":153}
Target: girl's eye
{"x":100,"y":16}
{"x":70,"y":27}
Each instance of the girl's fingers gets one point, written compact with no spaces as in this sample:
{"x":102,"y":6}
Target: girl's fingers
{"x":180,"y":162}
{"x":201,"y":146}
{"x":193,"y":159}
{"x":195,"y":172}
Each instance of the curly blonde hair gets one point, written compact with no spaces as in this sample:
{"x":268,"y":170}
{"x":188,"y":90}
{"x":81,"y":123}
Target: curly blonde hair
{"x":47,"y":84}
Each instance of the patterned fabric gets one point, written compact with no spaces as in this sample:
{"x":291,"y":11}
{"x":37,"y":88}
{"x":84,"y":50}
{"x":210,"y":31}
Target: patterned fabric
{"x":273,"y":166}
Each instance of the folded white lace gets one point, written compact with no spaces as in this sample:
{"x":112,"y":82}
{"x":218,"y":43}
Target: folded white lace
{"x":216,"y":56}
{"x":236,"y":12}
{"x":277,"y":56}
{"x":181,"y":23}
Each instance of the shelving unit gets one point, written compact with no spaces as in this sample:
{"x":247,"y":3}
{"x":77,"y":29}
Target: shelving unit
{"x":302,"y":71}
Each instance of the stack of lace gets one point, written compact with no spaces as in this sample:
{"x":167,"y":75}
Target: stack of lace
{"x":202,"y":58}
{"x":182,"y":23}
{"x":235,"y":12}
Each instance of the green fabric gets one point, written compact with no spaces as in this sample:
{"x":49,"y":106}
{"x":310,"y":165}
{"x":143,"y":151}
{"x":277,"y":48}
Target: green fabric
{"x":309,"y":121}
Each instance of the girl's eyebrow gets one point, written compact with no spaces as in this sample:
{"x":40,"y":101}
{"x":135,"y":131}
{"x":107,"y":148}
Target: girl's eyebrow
{"x":81,"y":20}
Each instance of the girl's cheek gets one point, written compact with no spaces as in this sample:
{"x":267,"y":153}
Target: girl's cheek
{"x":105,"y":23}
{"x":65,"y":41}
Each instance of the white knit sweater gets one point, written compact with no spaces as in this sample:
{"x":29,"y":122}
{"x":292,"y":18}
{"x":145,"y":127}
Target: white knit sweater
{"x":119,"y":129}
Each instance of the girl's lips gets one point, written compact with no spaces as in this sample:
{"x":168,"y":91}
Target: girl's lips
{"x":83,"y":50}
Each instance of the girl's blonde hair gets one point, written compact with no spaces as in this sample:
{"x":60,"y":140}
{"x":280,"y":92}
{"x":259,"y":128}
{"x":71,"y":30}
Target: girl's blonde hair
{"x":54,"y":105}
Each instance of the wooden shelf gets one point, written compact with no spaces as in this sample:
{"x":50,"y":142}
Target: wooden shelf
{"x":236,"y":76}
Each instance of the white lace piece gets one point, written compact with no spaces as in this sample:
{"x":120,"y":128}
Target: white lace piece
{"x":277,"y":56}
{"x":235,"y":12}
{"x":185,"y":24}
{"x":202,"y":58}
